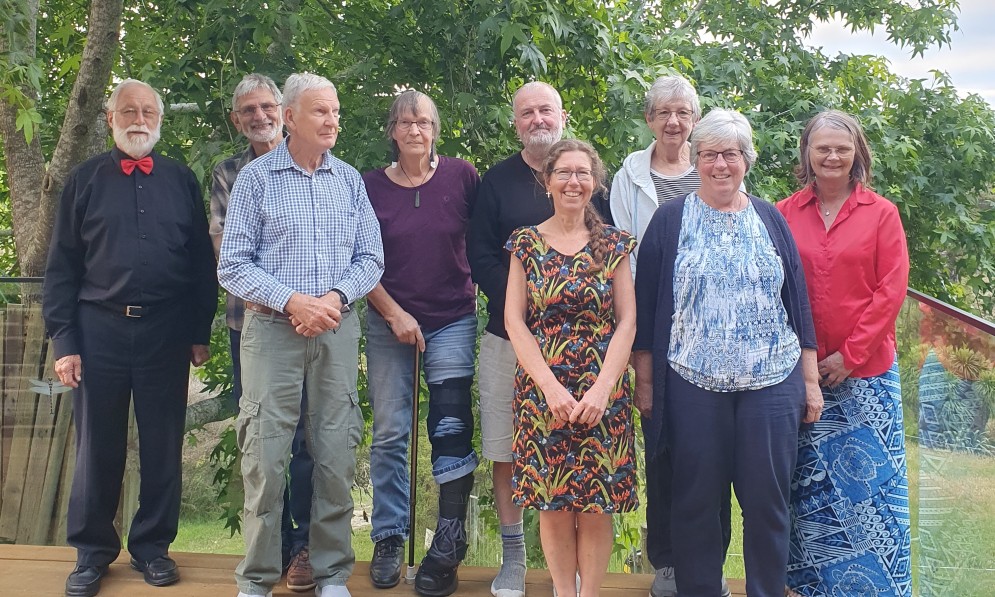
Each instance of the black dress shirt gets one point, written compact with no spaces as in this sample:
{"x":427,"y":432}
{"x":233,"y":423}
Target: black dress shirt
{"x":138,"y":239}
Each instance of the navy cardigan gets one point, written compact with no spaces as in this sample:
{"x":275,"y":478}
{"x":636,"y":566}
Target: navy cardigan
{"x":655,"y":297}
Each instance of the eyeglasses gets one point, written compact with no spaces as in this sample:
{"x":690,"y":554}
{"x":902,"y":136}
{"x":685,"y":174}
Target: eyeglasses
{"x":682,"y":115}
{"x":731,"y":156}
{"x":824,"y":152}
{"x":564,"y":175}
{"x":249,"y":111}
{"x":132,"y":113}
{"x":405,"y":125}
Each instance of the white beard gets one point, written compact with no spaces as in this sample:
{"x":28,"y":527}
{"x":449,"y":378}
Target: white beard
{"x":262,"y":136}
{"x":136,"y":148}
{"x":543,"y":138}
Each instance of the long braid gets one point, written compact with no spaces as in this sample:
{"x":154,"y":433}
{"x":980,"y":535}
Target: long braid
{"x":599,"y":239}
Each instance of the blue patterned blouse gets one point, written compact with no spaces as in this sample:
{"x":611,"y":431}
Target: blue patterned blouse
{"x":730,"y":329}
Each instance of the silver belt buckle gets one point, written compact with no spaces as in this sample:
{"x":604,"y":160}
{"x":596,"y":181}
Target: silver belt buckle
{"x":133,"y":311}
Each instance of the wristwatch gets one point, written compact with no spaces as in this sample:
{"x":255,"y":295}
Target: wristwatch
{"x":342,"y":298}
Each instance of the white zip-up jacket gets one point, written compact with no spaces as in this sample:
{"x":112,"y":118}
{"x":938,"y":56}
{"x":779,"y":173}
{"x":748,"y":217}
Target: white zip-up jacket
{"x":633,"y":197}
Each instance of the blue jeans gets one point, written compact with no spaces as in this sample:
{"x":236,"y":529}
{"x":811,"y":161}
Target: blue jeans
{"x":297,"y":496}
{"x":449,"y":354}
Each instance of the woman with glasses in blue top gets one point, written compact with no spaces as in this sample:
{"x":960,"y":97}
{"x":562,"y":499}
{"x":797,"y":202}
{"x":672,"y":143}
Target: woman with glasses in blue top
{"x":725,"y":348}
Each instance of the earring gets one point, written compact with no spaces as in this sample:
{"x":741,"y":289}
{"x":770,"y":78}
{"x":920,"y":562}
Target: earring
{"x":393,"y":164}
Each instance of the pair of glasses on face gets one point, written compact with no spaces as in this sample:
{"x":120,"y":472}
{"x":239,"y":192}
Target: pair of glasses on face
{"x":562,"y":174}
{"x":730,"y":156}
{"x":824,"y":151}
{"x":682,"y":115}
{"x":248,"y":111}
{"x":405,"y":125}
{"x":132,"y":113}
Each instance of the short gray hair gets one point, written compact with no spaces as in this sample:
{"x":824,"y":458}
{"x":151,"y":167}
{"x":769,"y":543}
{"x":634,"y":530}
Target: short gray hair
{"x":669,"y":89}
{"x":298,"y":83}
{"x":724,"y":126}
{"x":250,"y":83}
{"x":538,"y":85}
{"x":111,"y":104}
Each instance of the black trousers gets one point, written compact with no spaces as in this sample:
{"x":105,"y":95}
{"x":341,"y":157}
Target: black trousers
{"x":146,"y":359}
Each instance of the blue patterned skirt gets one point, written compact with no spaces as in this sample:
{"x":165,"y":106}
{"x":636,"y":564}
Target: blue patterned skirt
{"x":850,"y":530}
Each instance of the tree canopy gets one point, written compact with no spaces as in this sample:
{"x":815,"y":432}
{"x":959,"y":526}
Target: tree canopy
{"x":935,"y":151}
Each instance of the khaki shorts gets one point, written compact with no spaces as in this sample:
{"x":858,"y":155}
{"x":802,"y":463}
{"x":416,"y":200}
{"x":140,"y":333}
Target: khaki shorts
{"x":496,"y":381}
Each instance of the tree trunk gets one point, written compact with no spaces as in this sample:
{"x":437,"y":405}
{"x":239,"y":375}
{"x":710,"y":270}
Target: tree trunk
{"x":34,"y":192}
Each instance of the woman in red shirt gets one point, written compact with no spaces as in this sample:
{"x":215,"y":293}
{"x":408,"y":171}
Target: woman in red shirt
{"x":850,"y":508}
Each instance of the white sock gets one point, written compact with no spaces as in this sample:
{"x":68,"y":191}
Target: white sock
{"x":332,"y":591}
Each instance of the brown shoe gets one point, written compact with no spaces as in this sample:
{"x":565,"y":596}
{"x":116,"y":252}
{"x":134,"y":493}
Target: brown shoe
{"x":300,"y":576}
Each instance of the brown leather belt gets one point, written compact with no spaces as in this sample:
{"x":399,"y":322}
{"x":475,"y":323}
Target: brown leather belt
{"x":264,"y":310}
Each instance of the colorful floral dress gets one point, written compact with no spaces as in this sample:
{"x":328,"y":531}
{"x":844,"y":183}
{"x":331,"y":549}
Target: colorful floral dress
{"x":563,"y":466}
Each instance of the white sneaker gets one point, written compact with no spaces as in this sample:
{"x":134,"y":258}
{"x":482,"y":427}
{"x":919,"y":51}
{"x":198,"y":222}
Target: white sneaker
{"x":241,"y":594}
{"x":332,"y":591}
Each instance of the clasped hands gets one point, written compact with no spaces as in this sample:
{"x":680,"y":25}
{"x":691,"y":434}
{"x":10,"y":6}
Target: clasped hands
{"x":587,"y":411}
{"x":312,"y":316}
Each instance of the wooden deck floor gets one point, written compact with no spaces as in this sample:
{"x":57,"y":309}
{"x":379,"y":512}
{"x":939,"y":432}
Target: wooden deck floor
{"x":41,"y":572}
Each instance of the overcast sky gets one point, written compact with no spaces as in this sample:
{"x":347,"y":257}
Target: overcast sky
{"x":970,"y":61}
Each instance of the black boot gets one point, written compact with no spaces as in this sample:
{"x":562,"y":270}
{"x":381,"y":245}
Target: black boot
{"x":437,"y":573}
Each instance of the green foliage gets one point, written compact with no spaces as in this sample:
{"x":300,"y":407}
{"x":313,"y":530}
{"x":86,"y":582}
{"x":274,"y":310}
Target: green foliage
{"x":935,"y":151}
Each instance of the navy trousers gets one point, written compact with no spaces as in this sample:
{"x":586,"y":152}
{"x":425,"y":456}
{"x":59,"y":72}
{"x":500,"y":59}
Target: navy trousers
{"x":296,"y":521}
{"x":659,"y":502}
{"x":147,"y":360}
{"x":748,"y":439}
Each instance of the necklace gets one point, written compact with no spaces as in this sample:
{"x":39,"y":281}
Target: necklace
{"x":825,"y":210}
{"x":413,"y":185}
{"x":535,"y":175}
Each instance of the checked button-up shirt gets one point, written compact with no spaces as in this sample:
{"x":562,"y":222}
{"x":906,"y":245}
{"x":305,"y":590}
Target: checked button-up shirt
{"x":289,"y":231}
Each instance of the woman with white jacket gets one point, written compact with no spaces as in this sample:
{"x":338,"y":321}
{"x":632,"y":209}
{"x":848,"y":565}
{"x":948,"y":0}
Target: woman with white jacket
{"x":647,"y":179}
{"x":663,"y":170}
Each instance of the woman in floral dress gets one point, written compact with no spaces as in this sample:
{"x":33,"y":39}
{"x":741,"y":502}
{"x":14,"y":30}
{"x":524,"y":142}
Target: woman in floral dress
{"x":571,"y":321}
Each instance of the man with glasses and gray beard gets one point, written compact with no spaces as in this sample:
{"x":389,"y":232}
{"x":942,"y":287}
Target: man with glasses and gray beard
{"x":256,"y":114}
{"x":130,"y":292}
{"x":511,"y":194}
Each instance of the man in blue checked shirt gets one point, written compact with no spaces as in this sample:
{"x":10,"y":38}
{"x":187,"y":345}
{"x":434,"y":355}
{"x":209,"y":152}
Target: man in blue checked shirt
{"x":301,"y":242}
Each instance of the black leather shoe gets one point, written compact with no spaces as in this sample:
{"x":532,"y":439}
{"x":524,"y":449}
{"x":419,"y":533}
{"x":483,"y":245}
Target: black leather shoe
{"x":84,"y":581}
{"x":385,"y":566}
{"x":159,"y":572}
{"x":434,"y":580}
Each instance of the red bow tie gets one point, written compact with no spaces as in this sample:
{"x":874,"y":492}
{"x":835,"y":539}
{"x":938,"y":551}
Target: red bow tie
{"x":144,"y":164}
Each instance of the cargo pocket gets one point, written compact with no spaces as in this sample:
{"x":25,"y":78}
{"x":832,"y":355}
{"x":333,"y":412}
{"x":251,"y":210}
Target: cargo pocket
{"x":357,"y":423}
{"x":247,"y":426}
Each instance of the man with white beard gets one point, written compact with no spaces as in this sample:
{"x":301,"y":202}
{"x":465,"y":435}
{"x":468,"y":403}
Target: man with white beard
{"x":511,"y":194}
{"x":256,"y":114}
{"x":130,"y":292}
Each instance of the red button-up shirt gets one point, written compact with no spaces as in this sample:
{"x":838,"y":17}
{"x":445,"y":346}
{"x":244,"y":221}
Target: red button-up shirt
{"x":857,"y":274}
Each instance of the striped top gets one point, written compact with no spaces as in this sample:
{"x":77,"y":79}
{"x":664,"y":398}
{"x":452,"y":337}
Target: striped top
{"x":671,"y":187}
{"x":730,"y":329}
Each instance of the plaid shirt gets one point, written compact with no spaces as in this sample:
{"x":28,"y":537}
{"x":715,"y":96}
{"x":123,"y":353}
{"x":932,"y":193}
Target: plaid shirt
{"x":290,"y":231}
{"x":222,"y":181}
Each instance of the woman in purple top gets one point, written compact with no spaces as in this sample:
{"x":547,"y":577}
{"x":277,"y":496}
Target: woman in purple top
{"x":424,"y":302}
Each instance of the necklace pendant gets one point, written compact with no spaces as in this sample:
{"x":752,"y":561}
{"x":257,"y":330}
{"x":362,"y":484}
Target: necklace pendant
{"x":417,"y":198}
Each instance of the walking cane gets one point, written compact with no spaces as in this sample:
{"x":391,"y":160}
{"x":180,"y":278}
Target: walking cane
{"x":409,"y":577}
